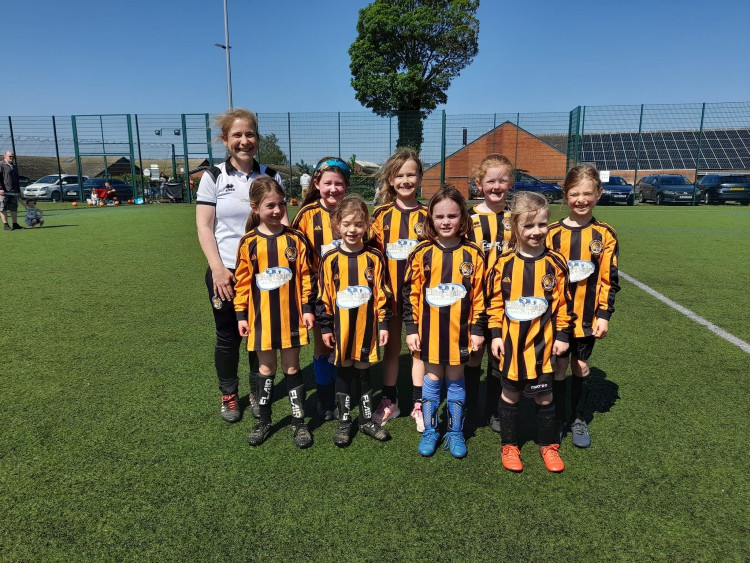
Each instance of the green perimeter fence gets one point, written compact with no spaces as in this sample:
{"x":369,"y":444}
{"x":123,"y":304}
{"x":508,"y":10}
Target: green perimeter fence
{"x":692,"y":139}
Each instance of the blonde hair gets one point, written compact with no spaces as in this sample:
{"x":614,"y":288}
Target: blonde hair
{"x":493,"y":160}
{"x":313,"y":193}
{"x":580,"y":173}
{"x":447,"y":191}
{"x":227,"y":119}
{"x":259,"y":189}
{"x":352,"y":204}
{"x":525,"y":202}
{"x":386,"y":193}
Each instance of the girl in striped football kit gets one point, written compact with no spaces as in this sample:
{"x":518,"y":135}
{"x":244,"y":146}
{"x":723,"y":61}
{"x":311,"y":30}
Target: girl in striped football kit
{"x":531,"y":318}
{"x":397,"y":226}
{"x":490,"y":229}
{"x":329,"y":183}
{"x":590,"y":247}
{"x":443,"y":309}
{"x":353,"y":312}
{"x":274,"y":303}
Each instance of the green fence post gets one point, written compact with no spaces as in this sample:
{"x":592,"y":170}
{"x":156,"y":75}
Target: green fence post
{"x":515,"y":158}
{"x":133,"y":176}
{"x":59,"y":168}
{"x":638,"y":151}
{"x":339,"y":118}
{"x":494,"y":135}
{"x":208,"y":142}
{"x":289,"y":132}
{"x":574,"y":123}
{"x":75,"y":147}
{"x":583,"y":126}
{"x":442,"y":152}
{"x":140,"y":160}
{"x":698,"y":152}
{"x":186,"y":177}
{"x":104,"y":149}
{"x":12,"y":139}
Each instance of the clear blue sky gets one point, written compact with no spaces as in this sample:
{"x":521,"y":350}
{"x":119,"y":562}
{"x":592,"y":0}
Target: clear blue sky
{"x":157,"y":56}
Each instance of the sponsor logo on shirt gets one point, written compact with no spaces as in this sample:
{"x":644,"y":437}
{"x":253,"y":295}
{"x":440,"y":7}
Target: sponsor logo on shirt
{"x":326,"y":247}
{"x":525,"y":308}
{"x":273,"y":278}
{"x":353,"y":296}
{"x":400,"y":249}
{"x":580,"y":269}
{"x":445,"y":294}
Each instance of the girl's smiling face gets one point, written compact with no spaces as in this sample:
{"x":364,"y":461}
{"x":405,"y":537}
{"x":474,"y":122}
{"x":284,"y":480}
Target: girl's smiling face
{"x":406,"y":181}
{"x":242,"y":143}
{"x":271,"y":210}
{"x":352,"y":229}
{"x":495,"y":185}
{"x":332,"y":188}
{"x":531,"y":231}
{"x":446,"y":218}
{"x":582,"y":199}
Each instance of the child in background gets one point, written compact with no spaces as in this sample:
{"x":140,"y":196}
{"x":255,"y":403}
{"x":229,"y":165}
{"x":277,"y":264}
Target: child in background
{"x":531,"y":318}
{"x":34,"y":216}
{"x":274,"y":303}
{"x":397,"y":226}
{"x":591,"y":249}
{"x":329,"y":183}
{"x":443,"y":308}
{"x":353,"y":311}
{"x":490,"y":229}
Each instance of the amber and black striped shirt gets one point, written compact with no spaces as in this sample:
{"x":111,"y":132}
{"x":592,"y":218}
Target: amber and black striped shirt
{"x":397,"y":231}
{"x":354,"y":303}
{"x":274,"y":289}
{"x":592,"y":254}
{"x":443,"y":300}
{"x":529,"y":306}
{"x":491,"y":231}
{"x":314,"y":221}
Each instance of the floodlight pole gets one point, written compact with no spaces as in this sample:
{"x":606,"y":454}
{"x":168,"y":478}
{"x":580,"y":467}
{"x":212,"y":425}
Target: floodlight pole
{"x":226,"y":49}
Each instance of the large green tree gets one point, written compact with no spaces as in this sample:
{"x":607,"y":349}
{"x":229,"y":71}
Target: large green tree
{"x":406,"y":54}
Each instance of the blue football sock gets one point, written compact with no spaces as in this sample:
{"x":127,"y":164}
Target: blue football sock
{"x":431,"y":391}
{"x":457,"y":390}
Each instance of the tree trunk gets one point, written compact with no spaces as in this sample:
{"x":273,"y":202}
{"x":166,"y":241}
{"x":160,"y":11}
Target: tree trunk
{"x":409,"y":129}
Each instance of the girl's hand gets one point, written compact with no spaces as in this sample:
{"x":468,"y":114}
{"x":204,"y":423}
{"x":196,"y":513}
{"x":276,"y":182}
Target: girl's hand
{"x":383,"y":337}
{"x":413,"y":343}
{"x":601,"y":328}
{"x":244,"y":328}
{"x":559,"y":347}
{"x":308,"y":319}
{"x":476,"y":343}
{"x":497,"y":347}
{"x":329,"y":341}
{"x":223,"y":283}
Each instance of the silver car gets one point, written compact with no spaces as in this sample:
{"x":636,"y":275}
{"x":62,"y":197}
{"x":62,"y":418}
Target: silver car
{"x":50,"y":187}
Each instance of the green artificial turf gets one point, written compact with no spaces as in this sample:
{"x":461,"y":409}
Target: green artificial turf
{"x":111,"y":445}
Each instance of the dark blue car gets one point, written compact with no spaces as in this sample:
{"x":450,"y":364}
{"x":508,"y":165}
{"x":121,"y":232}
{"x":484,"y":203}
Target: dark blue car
{"x":617,"y":190}
{"x":527,"y":183}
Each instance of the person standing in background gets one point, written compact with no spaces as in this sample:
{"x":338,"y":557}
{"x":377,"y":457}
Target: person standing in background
{"x":10,"y":191}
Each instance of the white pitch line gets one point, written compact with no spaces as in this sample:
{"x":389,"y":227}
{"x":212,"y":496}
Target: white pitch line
{"x":741,"y":344}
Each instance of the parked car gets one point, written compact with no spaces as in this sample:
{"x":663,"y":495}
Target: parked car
{"x":527,"y":183}
{"x":720,"y":188}
{"x":617,"y":190}
{"x":123,"y":190}
{"x":51,"y":187}
{"x":666,"y":188}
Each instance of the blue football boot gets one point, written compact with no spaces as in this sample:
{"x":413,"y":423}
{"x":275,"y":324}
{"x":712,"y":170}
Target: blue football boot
{"x":430,"y":436}
{"x":454,"y":438}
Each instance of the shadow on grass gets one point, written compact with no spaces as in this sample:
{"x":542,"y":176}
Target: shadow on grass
{"x":603,"y":394}
{"x":46,"y":227}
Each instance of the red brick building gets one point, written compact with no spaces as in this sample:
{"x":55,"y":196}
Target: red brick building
{"x":528,"y":152}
